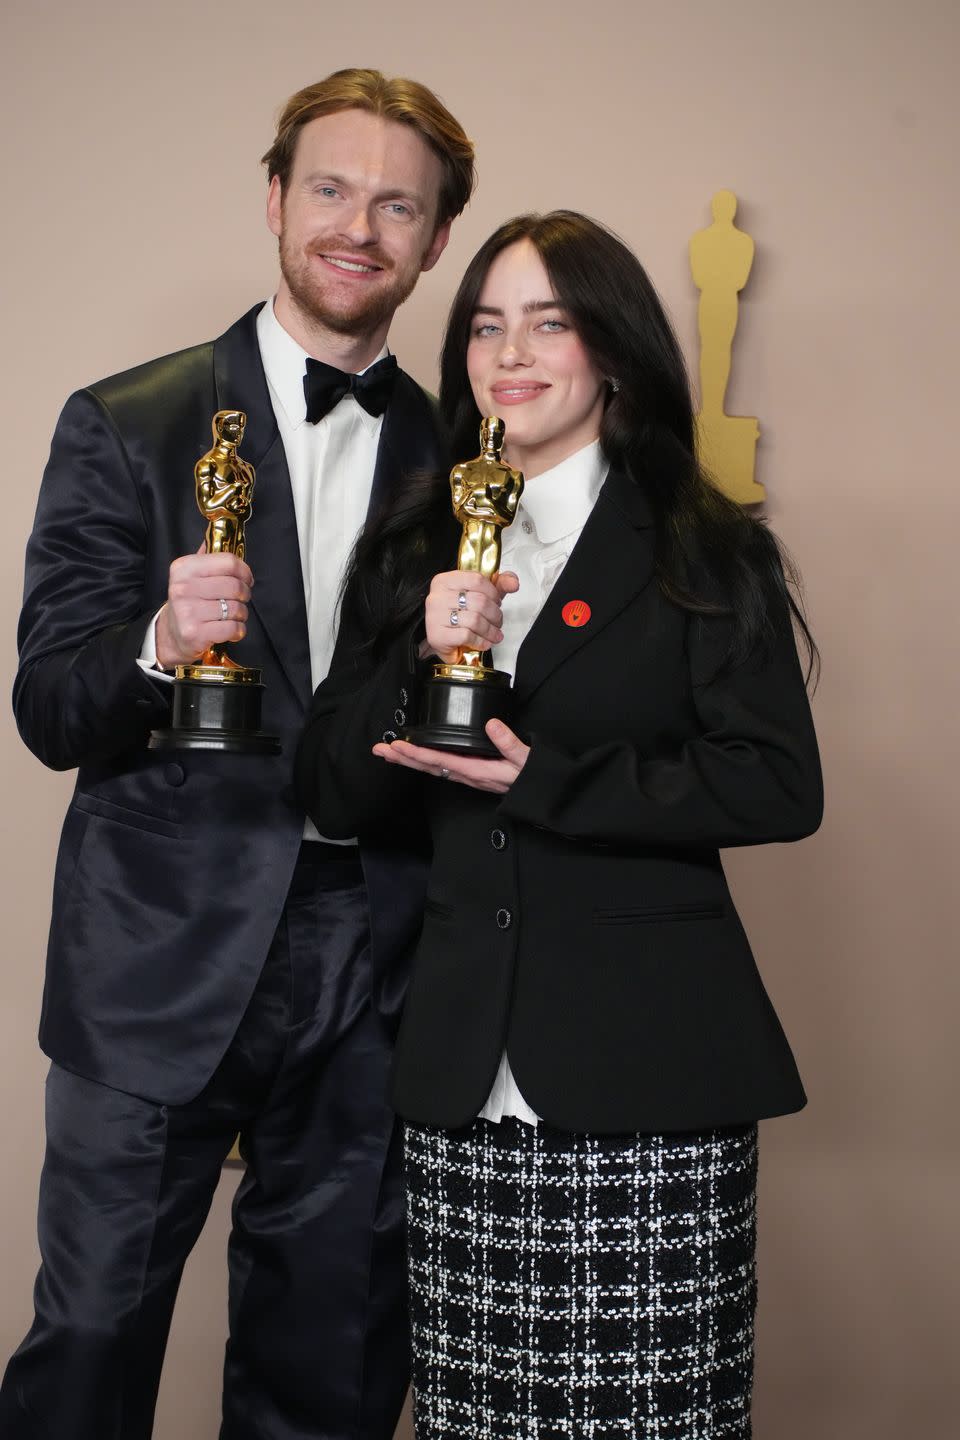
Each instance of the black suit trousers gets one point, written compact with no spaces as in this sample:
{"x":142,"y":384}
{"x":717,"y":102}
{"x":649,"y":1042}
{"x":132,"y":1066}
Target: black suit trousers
{"x":318,"y":1341}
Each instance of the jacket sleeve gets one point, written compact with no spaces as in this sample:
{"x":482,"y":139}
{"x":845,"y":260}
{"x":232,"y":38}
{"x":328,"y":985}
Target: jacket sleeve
{"x":751,"y":774}
{"x":345,"y":789}
{"x":78,"y":693}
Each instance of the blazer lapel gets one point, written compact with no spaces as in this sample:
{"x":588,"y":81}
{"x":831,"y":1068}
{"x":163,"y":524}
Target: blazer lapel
{"x":610,"y":564}
{"x":272,"y":546}
{"x":409,"y":441}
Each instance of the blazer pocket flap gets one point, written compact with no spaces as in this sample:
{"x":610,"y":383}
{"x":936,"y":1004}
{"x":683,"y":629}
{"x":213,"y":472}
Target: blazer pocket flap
{"x":653,"y":914}
{"x":134,"y":819}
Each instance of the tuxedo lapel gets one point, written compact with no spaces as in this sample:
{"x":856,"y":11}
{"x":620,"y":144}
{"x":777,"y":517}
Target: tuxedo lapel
{"x":272,"y":546}
{"x":610,"y":564}
{"x":409,"y":441}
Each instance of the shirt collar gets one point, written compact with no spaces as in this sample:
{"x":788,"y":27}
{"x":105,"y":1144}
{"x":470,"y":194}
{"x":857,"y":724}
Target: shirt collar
{"x":285,"y":364}
{"x":559,"y":501}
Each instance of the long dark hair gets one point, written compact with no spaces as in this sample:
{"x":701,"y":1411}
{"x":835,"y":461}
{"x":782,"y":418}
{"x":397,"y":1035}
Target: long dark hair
{"x":712,"y":556}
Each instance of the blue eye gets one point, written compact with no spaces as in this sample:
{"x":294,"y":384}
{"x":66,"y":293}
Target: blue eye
{"x":553,"y":327}
{"x":482,"y":331}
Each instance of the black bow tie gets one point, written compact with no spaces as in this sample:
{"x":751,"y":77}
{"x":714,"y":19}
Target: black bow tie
{"x":325,"y":386}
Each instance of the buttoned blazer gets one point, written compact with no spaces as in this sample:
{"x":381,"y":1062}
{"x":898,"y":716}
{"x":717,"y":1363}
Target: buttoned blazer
{"x":173,"y":867}
{"x":583,"y":920}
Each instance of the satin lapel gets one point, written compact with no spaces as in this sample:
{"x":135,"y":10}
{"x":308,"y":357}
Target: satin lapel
{"x":409,"y":441}
{"x":609,"y":565}
{"x":272,"y":547}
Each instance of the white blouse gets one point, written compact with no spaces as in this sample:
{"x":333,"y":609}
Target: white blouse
{"x":552,"y":512}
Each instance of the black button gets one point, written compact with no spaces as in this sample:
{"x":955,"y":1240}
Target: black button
{"x":498,"y":839}
{"x":173,"y":774}
{"x":399,"y":717}
{"x":404,"y":697}
{"x":504,"y":919}
{"x":388,"y":735}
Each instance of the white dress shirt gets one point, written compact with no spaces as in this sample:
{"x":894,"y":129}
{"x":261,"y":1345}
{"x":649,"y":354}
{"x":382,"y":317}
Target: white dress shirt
{"x":331,"y":467}
{"x":553,"y":510}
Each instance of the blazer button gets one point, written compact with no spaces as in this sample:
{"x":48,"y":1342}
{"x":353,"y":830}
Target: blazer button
{"x":399,"y":717}
{"x":404,"y":697}
{"x":498,"y":839}
{"x":504,"y":919}
{"x":173,"y":774}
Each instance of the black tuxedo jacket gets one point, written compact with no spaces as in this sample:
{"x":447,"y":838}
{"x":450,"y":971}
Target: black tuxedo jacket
{"x":582,"y":920}
{"x":173,"y":868}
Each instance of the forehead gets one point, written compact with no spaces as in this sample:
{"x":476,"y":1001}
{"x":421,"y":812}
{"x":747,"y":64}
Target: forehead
{"x":367,"y":150}
{"x":516,"y":276}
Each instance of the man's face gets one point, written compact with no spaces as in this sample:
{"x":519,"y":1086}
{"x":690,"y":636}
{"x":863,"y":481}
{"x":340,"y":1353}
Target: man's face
{"x":357,"y":222}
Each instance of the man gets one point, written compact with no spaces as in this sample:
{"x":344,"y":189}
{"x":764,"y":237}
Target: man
{"x":211,"y":968}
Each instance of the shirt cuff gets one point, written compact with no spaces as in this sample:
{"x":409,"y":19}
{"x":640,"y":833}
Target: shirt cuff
{"x":147,"y":659}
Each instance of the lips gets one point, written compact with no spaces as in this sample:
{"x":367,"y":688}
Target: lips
{"x":518,"y":392}
{"x":346,"y":265}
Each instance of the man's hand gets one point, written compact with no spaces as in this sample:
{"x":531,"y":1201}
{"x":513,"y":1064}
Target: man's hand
{"x":192,"y":619}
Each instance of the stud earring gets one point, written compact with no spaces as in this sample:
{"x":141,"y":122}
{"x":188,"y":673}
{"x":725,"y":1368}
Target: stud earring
{"x":614,"y":384}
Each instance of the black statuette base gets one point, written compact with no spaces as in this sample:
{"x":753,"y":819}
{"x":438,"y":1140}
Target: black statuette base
{"x":454,"y":714}
{"x":216,"y":715}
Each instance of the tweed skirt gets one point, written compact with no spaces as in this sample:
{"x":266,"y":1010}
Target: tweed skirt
{"x":579,"y":1285}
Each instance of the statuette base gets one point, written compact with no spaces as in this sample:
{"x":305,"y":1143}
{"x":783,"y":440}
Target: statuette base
{"x":216,"y":711}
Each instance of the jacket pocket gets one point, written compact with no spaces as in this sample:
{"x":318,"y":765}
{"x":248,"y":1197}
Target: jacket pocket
{"x":653,"y":914}
{"x":121,"y":815}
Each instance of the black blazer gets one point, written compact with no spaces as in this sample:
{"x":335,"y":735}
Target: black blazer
{"x":583,"y":919}
{"x":173,"y":868}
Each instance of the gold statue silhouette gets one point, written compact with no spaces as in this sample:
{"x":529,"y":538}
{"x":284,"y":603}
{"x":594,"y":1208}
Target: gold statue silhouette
{"x":225,"y":498}
{"x":720,"y":258}
{"x":485,"y":494}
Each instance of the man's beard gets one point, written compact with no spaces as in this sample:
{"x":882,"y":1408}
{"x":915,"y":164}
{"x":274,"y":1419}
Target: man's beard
{"x":367,"y":313}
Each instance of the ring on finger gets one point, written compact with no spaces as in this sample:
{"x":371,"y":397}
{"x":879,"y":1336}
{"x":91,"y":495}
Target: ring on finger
{"x":224,"y":609}
{"x":462,"y":600}
{"x":444,"y":773}
{"x":454,"y":618}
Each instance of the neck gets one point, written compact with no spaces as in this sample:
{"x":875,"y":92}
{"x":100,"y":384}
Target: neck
{"x":534,"y":460}
{"x":351,"y":353}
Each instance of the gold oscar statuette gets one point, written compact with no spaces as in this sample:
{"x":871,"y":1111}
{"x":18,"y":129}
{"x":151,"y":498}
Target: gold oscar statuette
{"x":461,"y":695}
{"x":216,"y":702}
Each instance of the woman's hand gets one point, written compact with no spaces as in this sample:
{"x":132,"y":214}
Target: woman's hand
{"x":463,"y":612}
{"x":494,"y":775}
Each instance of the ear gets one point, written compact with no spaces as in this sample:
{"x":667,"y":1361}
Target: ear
{"x":437,"y":246}
{"x":275,"y":206}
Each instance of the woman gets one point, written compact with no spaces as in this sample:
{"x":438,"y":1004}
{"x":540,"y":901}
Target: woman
{"x":586,"y":1046}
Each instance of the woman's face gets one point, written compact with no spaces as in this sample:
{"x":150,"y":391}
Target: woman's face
{"x":527,"y":364}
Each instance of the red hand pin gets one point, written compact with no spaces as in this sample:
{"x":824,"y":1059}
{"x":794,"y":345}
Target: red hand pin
{"x":576,"y":613}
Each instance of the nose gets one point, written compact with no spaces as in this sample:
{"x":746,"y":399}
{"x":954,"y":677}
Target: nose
{"x":515,"y":351}
{"x":358,"y":226}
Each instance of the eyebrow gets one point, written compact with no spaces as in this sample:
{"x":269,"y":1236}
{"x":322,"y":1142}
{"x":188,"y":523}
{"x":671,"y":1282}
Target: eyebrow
{"x":532,"y":307}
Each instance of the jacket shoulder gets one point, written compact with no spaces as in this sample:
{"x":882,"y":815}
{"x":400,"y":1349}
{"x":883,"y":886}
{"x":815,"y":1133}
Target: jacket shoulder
{"x":170,"y":381}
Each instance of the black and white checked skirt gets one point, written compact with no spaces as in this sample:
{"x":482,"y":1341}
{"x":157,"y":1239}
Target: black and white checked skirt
{"x":581,"y":1286}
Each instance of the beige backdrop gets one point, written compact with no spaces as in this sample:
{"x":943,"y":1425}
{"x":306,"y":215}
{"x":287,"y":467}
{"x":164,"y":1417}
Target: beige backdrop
{"x":133,"y":226}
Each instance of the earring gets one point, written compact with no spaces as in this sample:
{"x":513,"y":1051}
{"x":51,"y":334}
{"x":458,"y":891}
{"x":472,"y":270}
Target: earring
{"x":613,"y":383}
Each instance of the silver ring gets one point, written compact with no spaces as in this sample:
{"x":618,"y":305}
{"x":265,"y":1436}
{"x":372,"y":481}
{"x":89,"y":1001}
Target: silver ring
{"x":454,"y":618}
{"x":462,"y":600}
{"x":224,"y":610}
{"x":444,"y":774}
